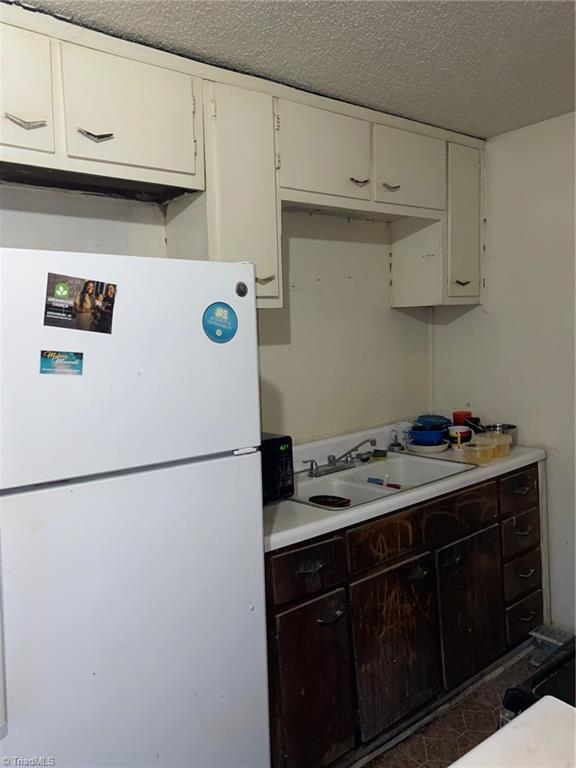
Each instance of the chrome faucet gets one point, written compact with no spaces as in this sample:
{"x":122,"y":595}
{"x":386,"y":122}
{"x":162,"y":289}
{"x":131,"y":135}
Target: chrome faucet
{"x":348,"y":456}
{"x":346,"y":461}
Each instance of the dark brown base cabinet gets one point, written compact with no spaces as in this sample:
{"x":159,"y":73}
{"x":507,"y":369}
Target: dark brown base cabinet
{"x":471,"y":605}
{"x":395,"y":633}
{"x":315,"y":680}
{"x":372,"y":623}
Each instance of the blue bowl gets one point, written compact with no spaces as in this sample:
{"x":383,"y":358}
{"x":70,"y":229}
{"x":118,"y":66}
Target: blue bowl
{"x":428,"y":436}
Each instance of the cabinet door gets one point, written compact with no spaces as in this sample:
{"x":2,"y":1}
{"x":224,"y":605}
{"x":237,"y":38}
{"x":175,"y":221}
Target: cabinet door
{"x":464,"y":201}
{"x":123,"y":111}
{"x":395,"y":633}
{"x":409,"y":168}
{"x":314,"y":681}
{"x":322,"y":151}
{"x":244,"y":221}
{"x":471,"y":605}
{"x":26,"y":92}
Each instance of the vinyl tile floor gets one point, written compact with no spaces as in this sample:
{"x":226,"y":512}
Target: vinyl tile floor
{"x":471,"y":720}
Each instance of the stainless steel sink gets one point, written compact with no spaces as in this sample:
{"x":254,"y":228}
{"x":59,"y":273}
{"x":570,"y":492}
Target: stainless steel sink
{"x":371,"y":482}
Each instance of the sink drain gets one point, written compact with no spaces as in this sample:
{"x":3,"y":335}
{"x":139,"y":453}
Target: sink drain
{"x":334,"y":502}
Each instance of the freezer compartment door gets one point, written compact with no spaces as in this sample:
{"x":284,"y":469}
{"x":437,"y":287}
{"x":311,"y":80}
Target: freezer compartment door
{"x":134,"y":620}
{"x":166,"y":371}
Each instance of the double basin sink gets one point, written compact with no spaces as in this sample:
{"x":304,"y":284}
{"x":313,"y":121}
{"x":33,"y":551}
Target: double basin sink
{"x":374,"y":481}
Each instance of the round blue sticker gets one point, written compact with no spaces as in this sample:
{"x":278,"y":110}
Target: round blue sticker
{"x":220,"y":322}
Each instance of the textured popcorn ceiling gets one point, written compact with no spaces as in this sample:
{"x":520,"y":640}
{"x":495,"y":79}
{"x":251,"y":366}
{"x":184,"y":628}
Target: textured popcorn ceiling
{"x":481,"y":67}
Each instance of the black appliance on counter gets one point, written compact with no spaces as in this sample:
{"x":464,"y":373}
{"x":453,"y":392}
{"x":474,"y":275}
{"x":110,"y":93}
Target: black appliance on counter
{"x":277,"y":467}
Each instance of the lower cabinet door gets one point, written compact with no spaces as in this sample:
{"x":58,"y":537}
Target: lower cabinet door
{"x":395,"y":634}
{"x":314,"y":681}
{"x":471,"y":605}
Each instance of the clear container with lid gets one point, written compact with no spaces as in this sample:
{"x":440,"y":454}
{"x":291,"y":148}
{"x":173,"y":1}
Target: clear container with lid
{"x":503,"y":443}
{"x":479,"y":452}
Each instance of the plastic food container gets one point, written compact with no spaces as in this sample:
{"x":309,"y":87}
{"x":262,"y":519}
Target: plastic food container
{"x":479,"y":452}
{"x":503,"y":443}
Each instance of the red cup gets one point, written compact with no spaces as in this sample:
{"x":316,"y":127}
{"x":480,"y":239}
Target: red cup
{"x":459,"y":417}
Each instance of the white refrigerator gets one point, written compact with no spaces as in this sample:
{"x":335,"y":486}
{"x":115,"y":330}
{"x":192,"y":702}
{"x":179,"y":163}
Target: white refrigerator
{"x":131,"y":547}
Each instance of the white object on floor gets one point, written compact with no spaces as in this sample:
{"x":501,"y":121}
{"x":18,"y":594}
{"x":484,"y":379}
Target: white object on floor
{"x":541,"y":737}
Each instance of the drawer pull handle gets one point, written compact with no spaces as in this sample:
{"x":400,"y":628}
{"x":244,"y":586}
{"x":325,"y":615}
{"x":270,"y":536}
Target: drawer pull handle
{"x":391,"y":187}
{"x":359,"y":182}
{"x":529,"y":617}
{"x":97,"y":137}
{"x":528,"y":574}
{"x":521,"y":491}
{"x":417,"y":574}
{"x":462,"y":282}
{"x":331,"y":619}
{"x":265,"y":280}
{"x":28,"y":125}
{"x":313,"y":570}
{"x":525,"y":532}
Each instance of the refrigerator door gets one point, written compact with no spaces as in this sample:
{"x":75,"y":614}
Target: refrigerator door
{"x":161,"y":386}
{"x":134,"y":620}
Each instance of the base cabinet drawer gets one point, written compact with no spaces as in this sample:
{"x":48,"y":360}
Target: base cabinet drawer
{"x":520,"y":533}
{"x":523,"y":617}
{"x":519,"y":491}
{"x":522,"y":575}
{"x":307,"y":571}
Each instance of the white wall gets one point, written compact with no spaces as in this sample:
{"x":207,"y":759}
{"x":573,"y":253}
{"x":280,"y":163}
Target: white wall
{"x":337,"y":358}
{"x":51,"y":219}
{"x":512,"y":359}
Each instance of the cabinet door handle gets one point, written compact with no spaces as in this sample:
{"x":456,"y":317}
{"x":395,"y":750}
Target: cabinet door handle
{"x":336,"y":616}
{"x":453,"y":562}
{"x":525,"y":532}
{"x":313,"y":570}
{"x":265,"y":280}
{"x":529,"y":617}
{"x":359,"y":182}
{"x":417,"y":573}
{"x":391,"y":187}
{"x":462,"y":282}
{"x":97,"y":137}
{"x":521,"y":491}
{"x":28,"y":125}
{"x":528,"y":574}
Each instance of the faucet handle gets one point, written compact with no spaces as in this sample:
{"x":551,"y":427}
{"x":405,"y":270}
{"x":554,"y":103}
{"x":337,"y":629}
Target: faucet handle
{"x":313,"y":468}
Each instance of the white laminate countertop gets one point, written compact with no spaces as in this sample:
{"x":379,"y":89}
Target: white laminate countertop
{"x":290,"y":522}
{"x":541,"y":737}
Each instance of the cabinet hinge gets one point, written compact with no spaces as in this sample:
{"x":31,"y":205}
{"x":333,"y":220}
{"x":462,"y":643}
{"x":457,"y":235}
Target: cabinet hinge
{"x":483,"y":282}
{"x":277,"y":161}
{"x":213,"y":108}
{"x":193,"y":105}
{"x":195,"y":148}
{"x":277,"y":122}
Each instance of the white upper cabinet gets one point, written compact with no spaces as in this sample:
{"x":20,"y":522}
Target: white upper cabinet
{"x":464,"y":221}
{"x":243,"y":212}
{"x":409,"y":168}
{"x":126,"y":112}
{"x":321,"y":151}
{"x":26,"y":113}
